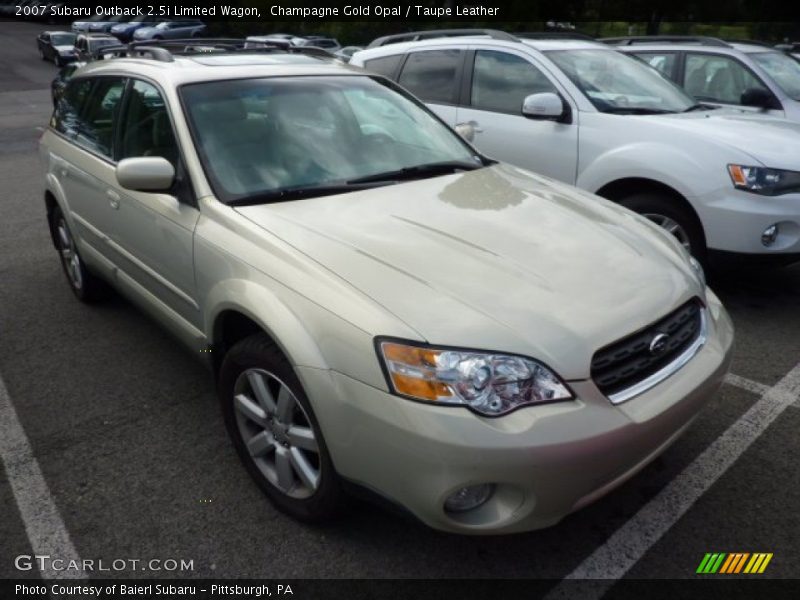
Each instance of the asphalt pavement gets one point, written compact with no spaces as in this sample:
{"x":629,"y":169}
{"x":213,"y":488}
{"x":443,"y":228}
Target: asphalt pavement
{"x":126,"y":429}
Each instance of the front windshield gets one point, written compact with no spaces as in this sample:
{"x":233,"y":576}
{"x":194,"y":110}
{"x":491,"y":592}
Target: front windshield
{"x":785,"y":71}
{"x":617,"y":83}
{"x":257,"y":137}
{"x":62,"y":39}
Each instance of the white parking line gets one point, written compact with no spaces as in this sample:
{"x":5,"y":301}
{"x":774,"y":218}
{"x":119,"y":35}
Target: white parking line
{"x":46,"y":531}
{"x":629,"y":543}
{"x":746,"y":384}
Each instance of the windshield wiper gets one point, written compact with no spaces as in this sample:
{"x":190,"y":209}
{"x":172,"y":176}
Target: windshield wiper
{"x":419,"y":171}
{"x":299,"y":193}
{"x":637,"y":110}
{"x":700,"y":106}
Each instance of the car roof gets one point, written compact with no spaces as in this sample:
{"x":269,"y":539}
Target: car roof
{"x":729,"y":48}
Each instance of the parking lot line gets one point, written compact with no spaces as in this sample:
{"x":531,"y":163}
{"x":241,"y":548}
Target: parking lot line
{"x":43,"y":524}
{"x":746,"y":384}
{"x":630,"y":542}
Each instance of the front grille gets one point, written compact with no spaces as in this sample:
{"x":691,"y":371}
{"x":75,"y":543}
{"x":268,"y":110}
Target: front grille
{"x":629,"y":361}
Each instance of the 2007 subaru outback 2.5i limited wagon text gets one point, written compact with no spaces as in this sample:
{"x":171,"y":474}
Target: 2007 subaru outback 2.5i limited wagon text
{"x":484,"y":347}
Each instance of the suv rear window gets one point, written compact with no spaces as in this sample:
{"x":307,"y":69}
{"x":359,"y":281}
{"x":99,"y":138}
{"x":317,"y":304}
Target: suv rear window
{"x":431,"y":75}
{"x":386,"y":65}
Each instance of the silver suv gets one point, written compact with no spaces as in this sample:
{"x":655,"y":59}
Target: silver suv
{"x":382,"y":306}
{"x":744,"y":74}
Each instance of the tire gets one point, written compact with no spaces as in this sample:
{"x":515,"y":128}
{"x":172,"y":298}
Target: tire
{"x":86,"y":286}
{"x":668,"y":213}
{"x":276,"y":438}
{"x":57,"y":61}
{"x":41,"y":54}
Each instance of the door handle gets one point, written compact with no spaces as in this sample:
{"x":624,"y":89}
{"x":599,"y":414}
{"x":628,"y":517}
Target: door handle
{"x":113,"y":199}
{"x":468,"y":130}
{"x":476,"y":127}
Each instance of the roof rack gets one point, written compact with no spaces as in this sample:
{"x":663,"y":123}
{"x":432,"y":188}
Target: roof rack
{"x":751,"y":42}
{"x":414,"y":36}
{"x":631,"y":40}
{"x":555,"y":35}
{"x":165,"y":50}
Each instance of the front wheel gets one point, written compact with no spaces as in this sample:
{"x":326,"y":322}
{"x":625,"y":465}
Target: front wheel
{"x":275,"y":432}
{"x":666,"y":212}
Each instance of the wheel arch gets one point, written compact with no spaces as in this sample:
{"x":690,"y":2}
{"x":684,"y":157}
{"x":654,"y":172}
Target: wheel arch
{"x":619,"y":189}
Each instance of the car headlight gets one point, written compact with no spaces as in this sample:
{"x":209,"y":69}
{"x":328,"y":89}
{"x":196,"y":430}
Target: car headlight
{"x":761,"y":180}
{"x":488,"y":383}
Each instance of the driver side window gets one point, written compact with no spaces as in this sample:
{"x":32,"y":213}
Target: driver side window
{"x":718,"y":78}
{"x":146,"y":128}
{"x":501,"y":81}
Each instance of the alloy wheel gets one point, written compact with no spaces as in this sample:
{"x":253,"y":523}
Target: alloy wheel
{"x":69,"y":255}
{"x":673,"y":227}
{"x":277,"y":433}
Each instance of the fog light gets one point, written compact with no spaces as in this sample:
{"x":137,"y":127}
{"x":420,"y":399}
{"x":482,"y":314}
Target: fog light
{"x":770,"y":235}
{"x":468,"y":498}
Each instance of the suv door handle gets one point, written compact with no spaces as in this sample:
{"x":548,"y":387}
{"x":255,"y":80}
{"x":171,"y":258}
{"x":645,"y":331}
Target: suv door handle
{"x":113,"y":199}
{"x":468,"y":130}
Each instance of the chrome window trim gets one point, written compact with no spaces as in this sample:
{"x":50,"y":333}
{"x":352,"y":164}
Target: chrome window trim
{"x":667,"y":371}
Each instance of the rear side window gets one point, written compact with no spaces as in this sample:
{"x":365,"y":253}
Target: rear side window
{"x":501,"y":81}
{"x":432,"y":75}
{"x":386,"y":65}
{"x":146,"y":128}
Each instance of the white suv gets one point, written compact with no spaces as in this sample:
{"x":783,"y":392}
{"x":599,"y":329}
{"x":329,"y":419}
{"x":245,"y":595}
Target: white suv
{"x":578,"y":111}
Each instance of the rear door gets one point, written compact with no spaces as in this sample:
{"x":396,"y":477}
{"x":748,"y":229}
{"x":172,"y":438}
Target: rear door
{"x":498,"y":82}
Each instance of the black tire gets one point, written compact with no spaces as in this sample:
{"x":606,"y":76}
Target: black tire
{"x":654,"y":204}
{"x":259,"y":352}
{"x":87,"y":287}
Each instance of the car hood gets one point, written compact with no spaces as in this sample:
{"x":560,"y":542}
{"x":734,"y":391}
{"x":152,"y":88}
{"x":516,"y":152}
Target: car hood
{"x":64,"y":48}
{"x":772,"y":141}
{"x":496,"y":259}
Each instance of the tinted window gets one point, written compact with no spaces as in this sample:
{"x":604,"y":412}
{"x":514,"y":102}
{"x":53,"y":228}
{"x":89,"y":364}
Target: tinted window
{"x":663,"y":62}
{"x":146,"y":128}
{"x":431,"y":75}
{"x":718,"y":78}
{"x":99,"y":114}
{"x":784,"y":70}
{"x":386,"y":66}
{"x":501,"y":81}
{"x":67,"y":113}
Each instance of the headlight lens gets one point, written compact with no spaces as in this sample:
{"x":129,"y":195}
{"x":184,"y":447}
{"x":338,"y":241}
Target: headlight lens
{"x":490,"y":384}
{"x":761,"y":180}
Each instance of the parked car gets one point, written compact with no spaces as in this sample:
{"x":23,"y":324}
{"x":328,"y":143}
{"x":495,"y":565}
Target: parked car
{"x":59,"y":83}
{"x":57,"y":46}
{"x":83,"y":26}
{"x":104,"y":25}
{"x":382,"y":305}
{"x":723,"y":182}
{"x":87,"y":44}
{"x":124,"y":31}
{"x":170,"y":30}
{"x":347,"y":52}
{"x":745,"y":74}
{"x":318,"y":41}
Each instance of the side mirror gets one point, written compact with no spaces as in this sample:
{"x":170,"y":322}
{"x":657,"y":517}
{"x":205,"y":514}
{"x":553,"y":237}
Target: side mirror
{"x":145,"y":174}
{"x":547,"y":106}
{"x":758,"y":98}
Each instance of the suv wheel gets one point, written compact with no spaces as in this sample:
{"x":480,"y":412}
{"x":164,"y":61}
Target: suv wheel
{"x":275,"y":432}
{"x":85,"y":286}
{"x":665,"y":212}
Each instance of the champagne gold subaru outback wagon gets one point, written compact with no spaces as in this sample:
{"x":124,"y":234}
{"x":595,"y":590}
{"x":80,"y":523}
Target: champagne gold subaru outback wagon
{"x":383,"y":307}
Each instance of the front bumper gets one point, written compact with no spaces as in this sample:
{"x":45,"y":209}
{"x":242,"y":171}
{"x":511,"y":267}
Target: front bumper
{"x":545,"y":461}
{"x":734,"y":220}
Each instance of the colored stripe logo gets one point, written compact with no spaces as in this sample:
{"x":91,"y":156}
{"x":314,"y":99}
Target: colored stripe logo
{"x":734,"y":563}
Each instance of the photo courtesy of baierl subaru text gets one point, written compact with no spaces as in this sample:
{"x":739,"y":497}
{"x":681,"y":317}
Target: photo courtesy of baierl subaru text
{"x":433,"y":300}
